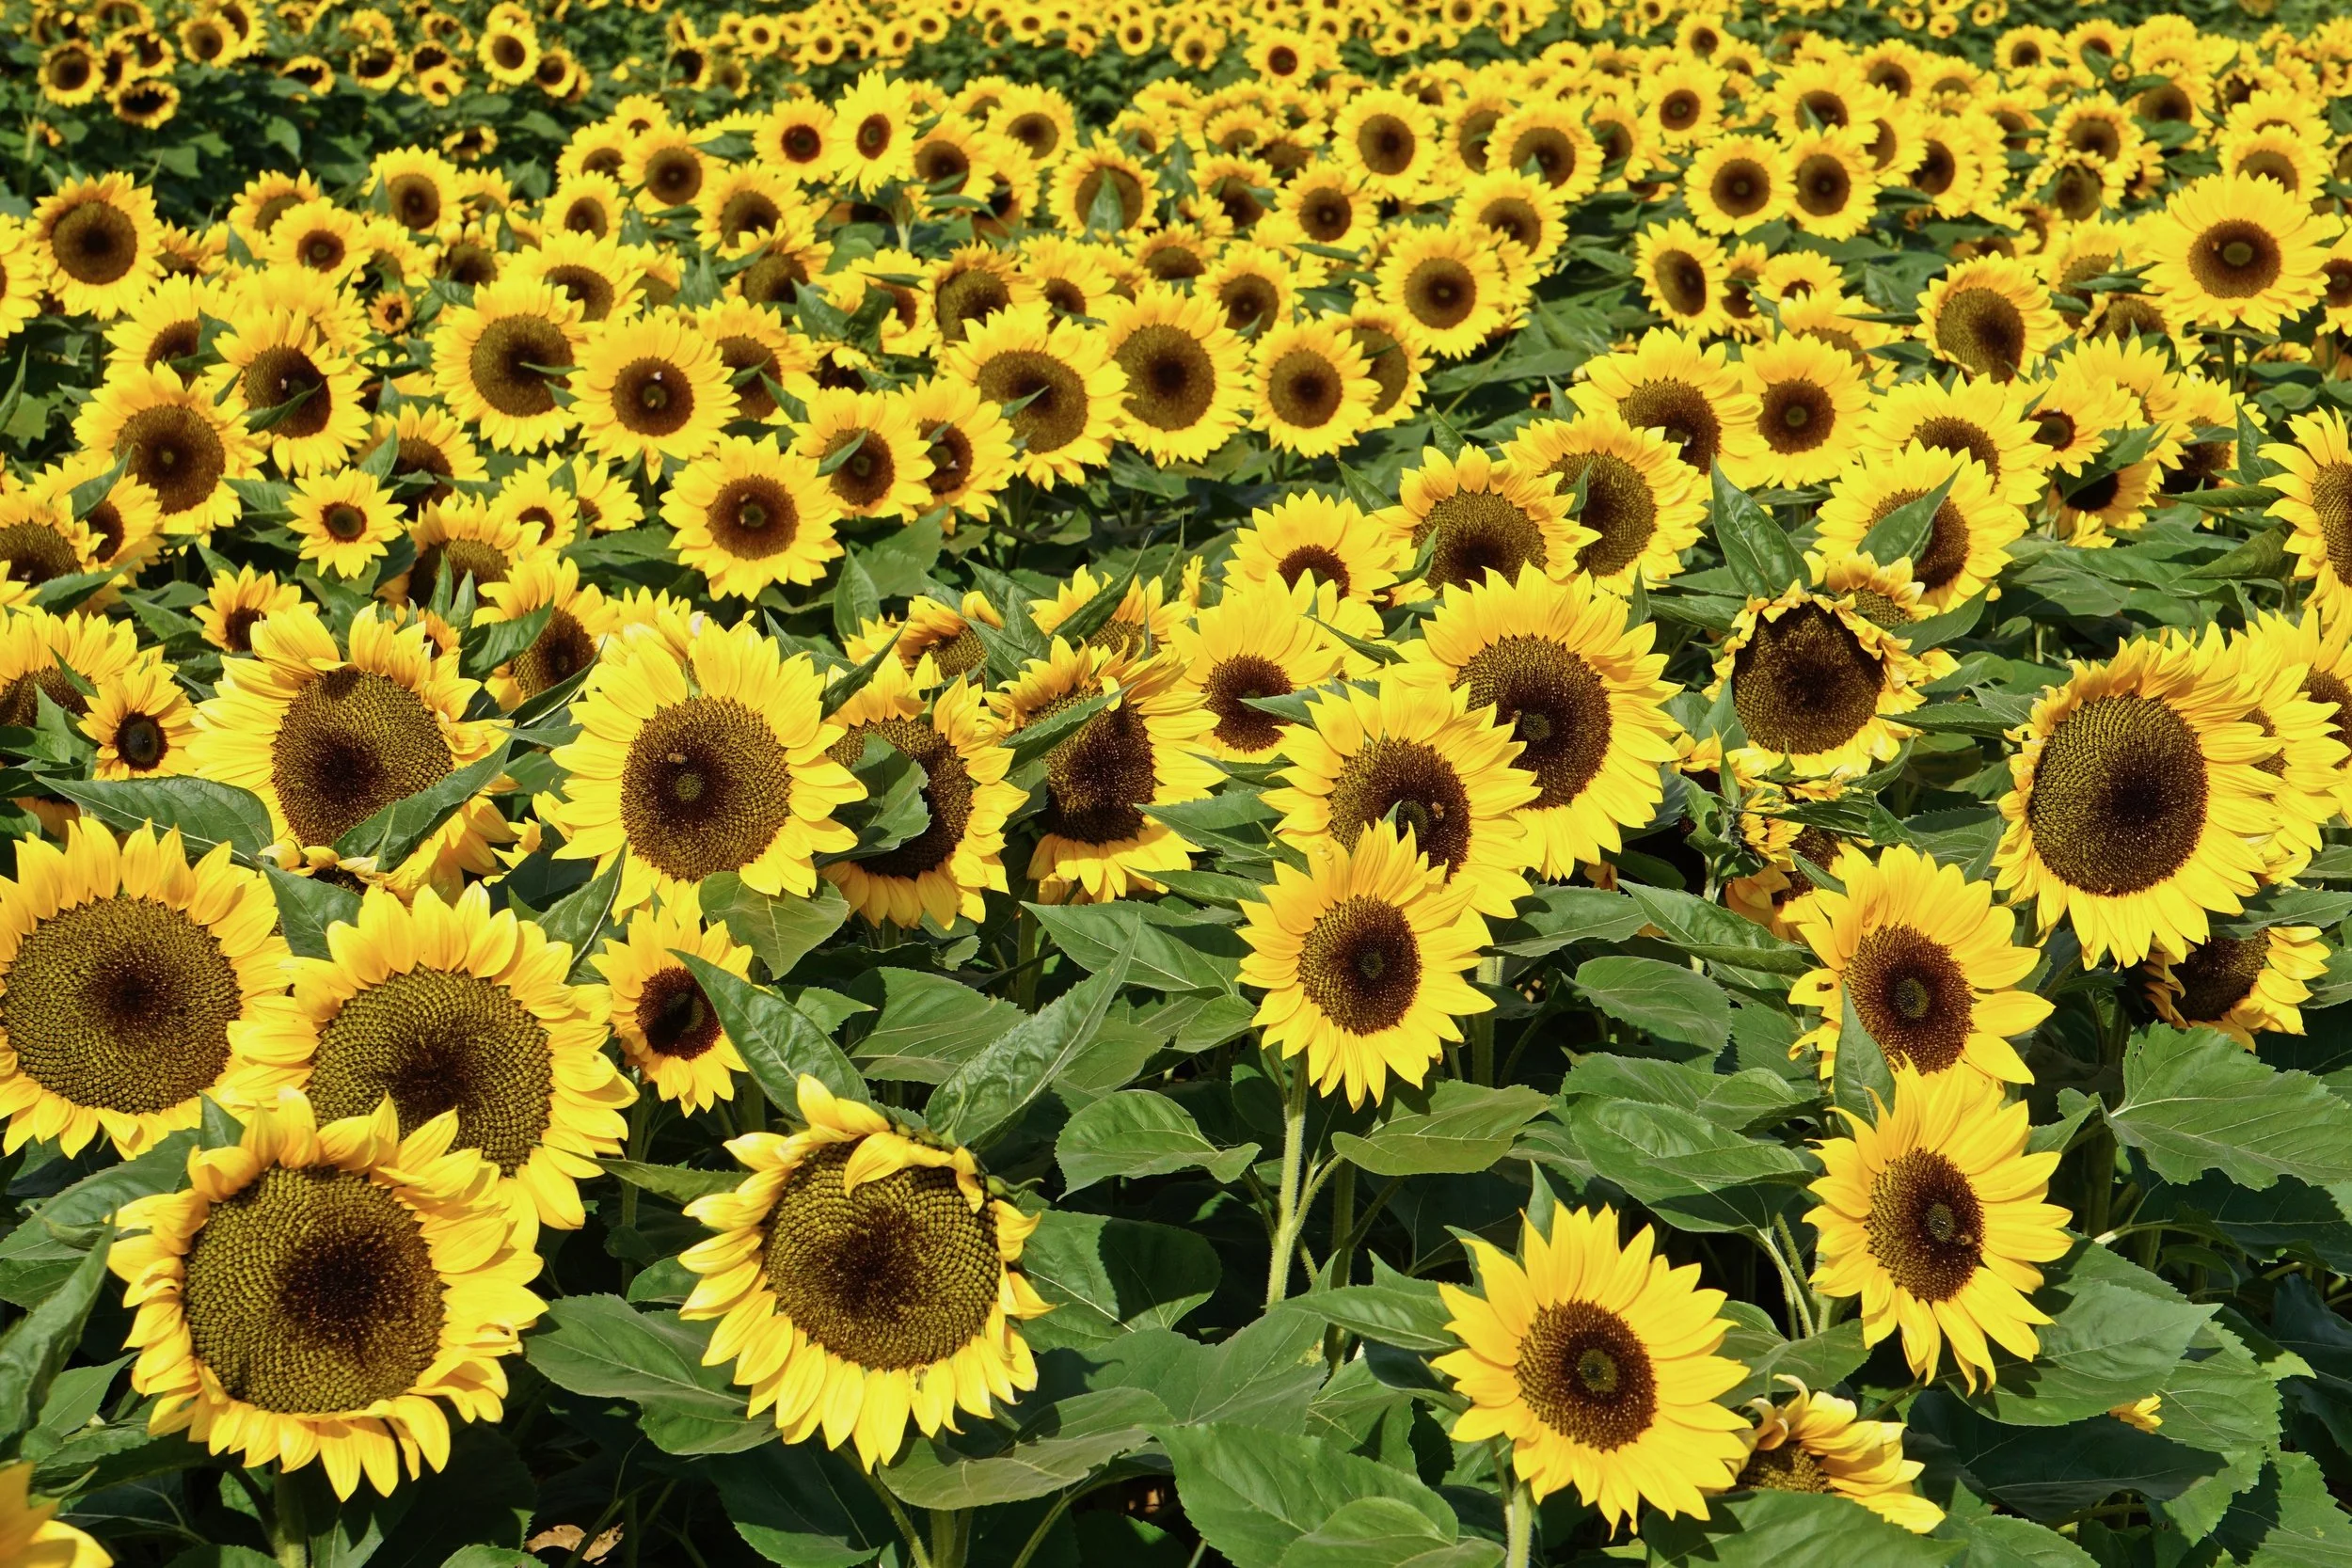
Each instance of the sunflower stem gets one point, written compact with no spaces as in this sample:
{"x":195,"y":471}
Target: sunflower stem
{"x":950,"y":1529}
{"x":1287,"y":1207}
{"x":1799,"y":1295}
{"x":290,"y":1532}
{"x":898,"y":1516}
{"x":1024,"y":964}
{"x":1342,"y":1263}
{"x":1482,"y":1027}
{"x":640,"y":1122}
{"x":1518,"y":1514}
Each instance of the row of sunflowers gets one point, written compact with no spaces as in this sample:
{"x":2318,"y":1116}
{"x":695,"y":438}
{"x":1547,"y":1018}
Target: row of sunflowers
{"x":955,"y":786}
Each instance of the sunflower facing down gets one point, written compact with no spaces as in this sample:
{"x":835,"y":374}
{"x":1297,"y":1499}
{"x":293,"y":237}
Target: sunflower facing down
{"x":443,"y":1006}
{"x":1816,"y":686}
{"x":710,"y":762}
{"x":942,"y":871}
{"x":133,"y":983}
{"x":1928,"y":962}
{"x":1579,"y":689}
{"x":1597,"y":1359}
{"x":667,"y":1028}
{"x":1814,"y":1442}
{"x":319,"y":1291}
{"x":1145,"y":749}
{"x":2315,"y":485}
{"x":749,"y":514}
{"x":329,"y":740}
{"x":2138,"y":803}
{"x":1934,"y":1218}
{"x":863,"y":1278}
{"x":2242,"y":986}
{"x":1418,"y":750}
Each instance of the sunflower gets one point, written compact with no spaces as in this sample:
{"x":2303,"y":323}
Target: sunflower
{"x":1253,"y":286}
{"x":1815,"y":1442}
{"x":327,"y":740}
{"x":1982,"y":419}
{"x":1816,"y":686}
{"x":799,"y":135}
{"x":748,"y":513}
{"x":1737,"y":183}
{"x":141,"y":721}
{"x":1261,"y":639}
{"x":668,"y":1030}
{"x":2138,"y":803}
{"x":1967,"y":543}
{"x":863,"y":1277}
{"x":134,"y":984}
{"x":318,"y":1288}
{"x":1684,"y":275}
{"x":1934,"y":1218}
{"x":1064,"y":371}
{"x":2315,"y":485}
{"x":1642,"y":503}
{"x":1185,"y":369}
{"x":1450,"y":283}
{"x":419,"y":188}
{"x":1419,"y":751}
{"x":968,"y":442}
{"x":743,"y":207}
{"x":1326,"y":205}
{"x":2242,"y":986}
{"x":346,"y":521}
{"x":320,"y":237}
{"x":465,"y":536}
{"x":1394,"y":357}
{"x":1101,"y":189}
{"x":713,"y":762}
{"x":874,"y":142}
{"x":1597,"y":1361}
{"x":1928,"y":963}
{"x":1473,"y":514}
{"x":579,"y":620}
{"x":23,"y":278}
{"x":1833,"y":183}
{"x":1668,"y":382}
{"x":2236,"y":250}
{"x":599,"y":273}
{"x":652,"y":387}
{"x":100,"y":242}
{"x":1364,"y":959}
{"x":40,"y":542}
{"x":2309,"y":765}
{"x":2321,"y":644}
{"x":1389,"y":140}
{"x":498,"y":362}
{"x":175,"y":440}
{"x":1520,"y":211}
{"x":1990,"y":317}
{"x":876,"y":454}
{"x":1810,"y":399}
{"x":30,"y":1534}
{"x":1146,"y":749}
{"x":1550,"y":140}
{"x":1314,"y":389}
{"x":2074,"y":406}
{"x":1313,"y":535}
{"x":432,"y":454}
{"x":942,"y":871}
{"x":237,"y":602}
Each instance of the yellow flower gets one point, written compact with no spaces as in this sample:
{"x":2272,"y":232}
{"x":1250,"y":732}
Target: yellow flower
{"x":346,"y":520}
{"x":667,"y":1028}
{"x":652,"y":387}
{"x":31,"y":1537}
{"x":1814,"y":1442}
{"x":2242,"y":986}
{"x":749,"y":514}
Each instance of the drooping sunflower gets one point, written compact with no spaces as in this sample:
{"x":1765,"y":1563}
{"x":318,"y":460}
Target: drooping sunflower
{"x":1096,"y":842}
{"x":2139,"y":803}
{"x":713,"y":762}
{"x":579,"y":620}
{"x":1475,"y":513}
{"x":1671,"y":382}
{"x":1816,"y":686}
{"x":1597,"y":1359}
{"x":1448,"y":281}
{"x":1934,"y":1218}
{"x":1261,"y":639}
{"x":1579,"y":690}
{"x":317,"y":1291}
{"x":1419,"y":751}
{"x":668,"y":1030}
{"x":133,"y":984}
{"x":944,"y":870}
{"x":1816,"y":1442}
{"x":749,"y":514}
{"x":1065,"y":371}
{"x":1968,"y":539}
{"x":177,"y":441}
{"x":652,"y":387}
{"x":1641,"y":503}
{"x":327,"y":740}
{"x":863,"y":1277}
{"x":968,"y":442}
{"x":30,"y":1533}
{"x":2242,"y":986}
{"x":1185,"y":370}
{"x":498,"y":361}
{"x":1990,"y":316}
{"x":1363,"y":957}
{"x":1809,"y":403}
{"x":2236,"y":250}
{"x":102,"y":242}
{"x":346,"y":521}
{"x":1928,"y":962}
{"x":1315,"y":392}
{"x":2315,"y":485}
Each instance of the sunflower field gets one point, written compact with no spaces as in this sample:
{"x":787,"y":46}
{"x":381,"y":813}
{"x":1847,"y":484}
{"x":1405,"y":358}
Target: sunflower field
{"x":987,"y":783}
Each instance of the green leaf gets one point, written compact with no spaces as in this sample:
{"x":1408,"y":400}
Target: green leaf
{"x":1860,"y":1078}
{"x":490,"y":644}
{"x":1560,"y":916}
{"x":2194,"y":1100}
{"x":1696,"y":1174}
{"x":1107,"y":1277}
{"x":2120,"y":1332}
{"x":205,"y":812}
{"x":1252,"y":1493}
{"x":576,"y":918}
{"x":37,"y":1347}
{"x":1904,"y":531}
{"x":802,"y":1505}
{"x":1386,"y":1532}
{"x":1466,"y":1128}
{"x":602,"y":1346}
{"x":781,"y":931}
{"x":307,"y":907}
{"x":1713,"y":933}
{"x":931,"y":1024}
{"x":1664,"y":999}
{"x":393,"y":833}
{"x":849,"y":683}
{"x":674,"y":1182}
{"x":2003,"y":1541}
{"x":1093,"y":936}
{"x":855,"y":600}
{"x":1039,"y":736}
{"x":47,"y":1245}
{"x":2047,"y":1473}
{"x":896,"y":806}
{"x":1773,"y":1529}
{"x":994,"y":1087}
{"x":2263,"y":556}
{"x":1395,"y":1309}
{"x":1059,"y":1445}
{"x":1757,"y":548}
{"x":777,"y":1042}
{"x":1139,"y":1132}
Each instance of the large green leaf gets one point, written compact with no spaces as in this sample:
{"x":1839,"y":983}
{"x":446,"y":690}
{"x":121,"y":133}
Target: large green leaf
{"x":931,"y":1024}
{"x":1386,"y":1532}
{"x":777,"y":1042}
{"x":48,"y":1244}
{"x":1252,"y":1493}
{"x":1093,"y":935}
{"x":802,"y":1505}
{"x":780,"y":930}
{"x":2118,"y":1333}
{"x":601,"y":1345}
{"x":1395,"y":1309}
{"x":1467,"y":1127}
{"x":1696,"y":1174}
{"x":37,"y":1346}
{"x":1673,"y":1003}
{"x":2048,"y":1473}
{"x":307,"y":907}
{"x":1108,"y":1276}
{"x":393,"y":833}
{"x":1759,"y":550}
{"x":1140,"y":1132}
{"x":1775,"y":1530}
{"x":1058,"y":1445}
{"x":205,"y":812}
{"x":2194,"y":1100}
{"x":997,"y":1085}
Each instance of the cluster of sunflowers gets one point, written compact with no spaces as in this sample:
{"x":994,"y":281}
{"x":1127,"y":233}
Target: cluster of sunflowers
{"x":770,"y":796}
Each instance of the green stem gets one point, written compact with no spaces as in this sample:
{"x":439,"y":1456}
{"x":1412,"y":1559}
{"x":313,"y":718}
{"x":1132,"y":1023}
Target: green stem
{"x":750,"y":1106}
{"x":1288,"y":1209}
{"x":1025,"y":962}
{"x":1341,"y":1262}
{"x":1482,"y":1027}
{"x":640,"y":1128}
{"x":1037,"y":1536}
{"x":898,"y":1517}
{"x":1518,"y":1514}
{"x":1799,"y":1295}
{"x":289,"y":1530}
{"x":950,"y":1530}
